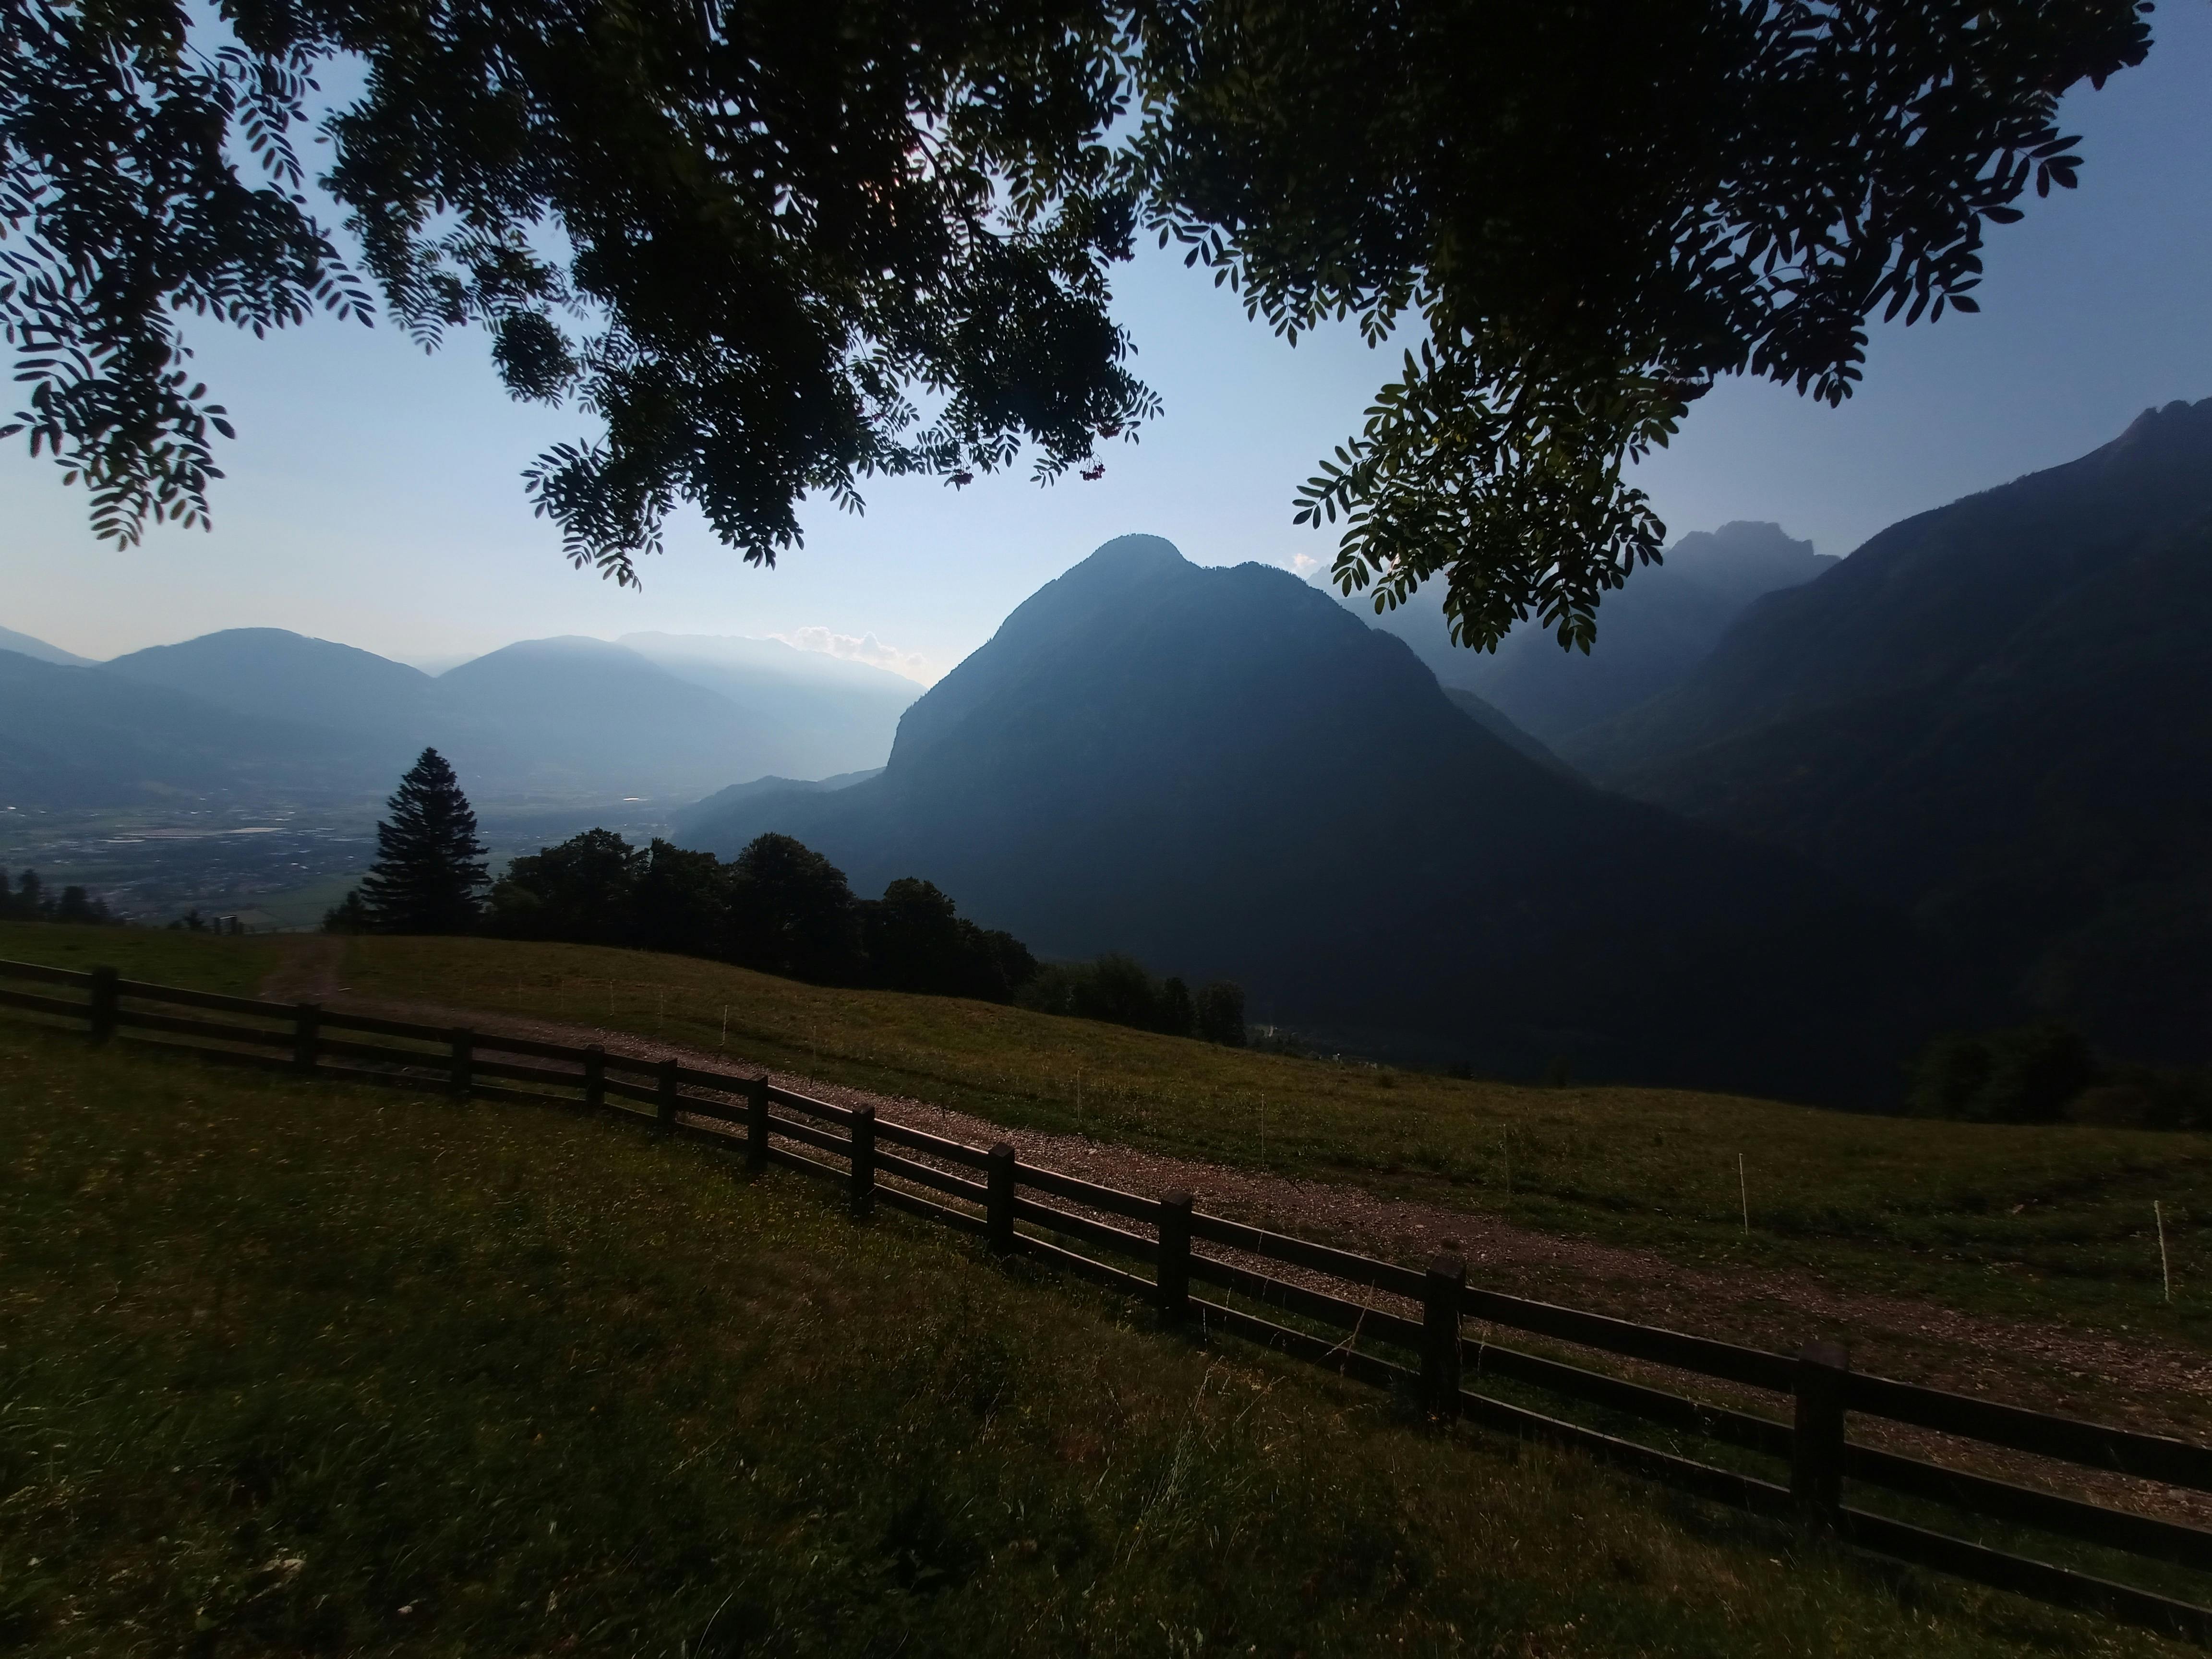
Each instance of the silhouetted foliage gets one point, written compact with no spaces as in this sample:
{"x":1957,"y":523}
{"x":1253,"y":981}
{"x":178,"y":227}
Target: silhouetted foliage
{"x":582,"y":890}
{"x":793,"y":913}
{"x":2047,"y":1073}
{"x":914,"y":940}
{"x":429,"y":864}
{"x":347,"y":915}
{"x":779,"y":907}
{"x":29,"y":900}
{"x":1117,"y":989}
{"x":782,"y":219}
{"x":1221,"y":1012}
{"x":2024,"y":1074}
{"x":1178,"y":1010}
{"x":2147,"y":1097}
{"x":680,"y":900}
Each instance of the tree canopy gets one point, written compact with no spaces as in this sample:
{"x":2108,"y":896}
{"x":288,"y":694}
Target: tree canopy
{"x":771,"y":251}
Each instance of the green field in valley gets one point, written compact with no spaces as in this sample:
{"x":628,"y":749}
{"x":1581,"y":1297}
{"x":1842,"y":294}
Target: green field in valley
{"x":294,"y":1367}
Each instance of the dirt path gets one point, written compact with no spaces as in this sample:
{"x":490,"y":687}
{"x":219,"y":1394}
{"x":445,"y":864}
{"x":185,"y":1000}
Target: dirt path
{"x":2049,"y":1367}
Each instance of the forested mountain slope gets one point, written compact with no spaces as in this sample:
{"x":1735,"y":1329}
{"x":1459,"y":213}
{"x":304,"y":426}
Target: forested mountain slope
{"x":1999,"y":713}
{"x":1225,"y":772}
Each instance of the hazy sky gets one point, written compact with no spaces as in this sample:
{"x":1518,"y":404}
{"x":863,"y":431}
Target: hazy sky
{"x":374,"y":495}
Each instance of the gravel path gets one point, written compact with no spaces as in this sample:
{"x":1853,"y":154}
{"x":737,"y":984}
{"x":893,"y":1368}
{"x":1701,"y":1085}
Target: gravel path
{"x":2049,"y":1367}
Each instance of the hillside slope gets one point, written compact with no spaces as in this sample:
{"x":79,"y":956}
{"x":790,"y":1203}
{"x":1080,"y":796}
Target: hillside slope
{"x":83,"y":736}
{"x":38,"y":650}
{"x":1227,"y":773}
{"x":321,"y":1370}
{"x":1997,"y":713}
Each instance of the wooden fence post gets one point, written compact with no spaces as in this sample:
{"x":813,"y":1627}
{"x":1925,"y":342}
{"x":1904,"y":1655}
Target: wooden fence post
{"x":757,"y":1124}
{"x":306,"y":1029}
{"x":102,"y":1012}
{"x":1174,"y":1266}
{"x":463,"y":1062}
{"x":1440,"y":1304}
{"x":1816,"y":1446}
{"x":663,"y":1109}
{"x":595,"y":1077}
{"x":998,"y":1202}
{"x":864,"y":1162}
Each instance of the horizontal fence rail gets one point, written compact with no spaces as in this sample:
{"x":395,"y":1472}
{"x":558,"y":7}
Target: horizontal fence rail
{"x":1373,"y":1321}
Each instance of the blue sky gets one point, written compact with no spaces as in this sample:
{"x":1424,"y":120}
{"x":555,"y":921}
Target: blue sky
{"x":374,"y":495}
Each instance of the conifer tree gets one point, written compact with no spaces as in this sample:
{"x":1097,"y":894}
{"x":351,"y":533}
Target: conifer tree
{"x":429,"y":862}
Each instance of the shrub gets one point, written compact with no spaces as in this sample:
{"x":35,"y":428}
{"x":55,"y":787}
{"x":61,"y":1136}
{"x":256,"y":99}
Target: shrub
{"x":2022,"y":1074}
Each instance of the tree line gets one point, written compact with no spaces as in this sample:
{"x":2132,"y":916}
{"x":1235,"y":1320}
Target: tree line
{"x":779,"y":907}
{"x":2048,"y":1072}
{"x":31,"y":900}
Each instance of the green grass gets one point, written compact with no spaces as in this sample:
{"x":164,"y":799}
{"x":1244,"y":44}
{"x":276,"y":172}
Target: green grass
{"x":289,"y":1368}
{"x":206,"y":962}
{"x":2047,"y":1222}
{"x":2052,"y":1223}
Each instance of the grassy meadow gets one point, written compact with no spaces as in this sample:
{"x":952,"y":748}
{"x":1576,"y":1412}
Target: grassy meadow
{"x":2053,"y":1223}
{"x":288,"y":1367}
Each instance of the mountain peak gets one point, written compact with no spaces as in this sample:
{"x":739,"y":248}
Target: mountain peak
{"x":1136,"y":554}
{"x":2180,"y":423}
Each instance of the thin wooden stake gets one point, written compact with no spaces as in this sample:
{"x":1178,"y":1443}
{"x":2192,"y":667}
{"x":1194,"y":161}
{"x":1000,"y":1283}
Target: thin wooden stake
{"x":1743,"y":1192}
{"x":725,"y":1042}
{"x":2165,"y":1267}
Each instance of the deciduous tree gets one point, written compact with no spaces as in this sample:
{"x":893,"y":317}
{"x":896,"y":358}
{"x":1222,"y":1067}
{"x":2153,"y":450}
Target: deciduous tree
{"x":757,"y":242}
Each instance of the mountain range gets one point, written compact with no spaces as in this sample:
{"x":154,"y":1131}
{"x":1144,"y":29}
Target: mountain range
{"x":1650,"y":633}
{"x":1790,"y":815}
{"x":1997,"y":714}
{"x":260,"y":709}
{"x":1224,"y":772}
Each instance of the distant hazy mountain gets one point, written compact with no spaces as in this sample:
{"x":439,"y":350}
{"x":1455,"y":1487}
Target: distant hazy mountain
{"x":558,"y":718}
{"x":1225,"y":772}
{"x":816,"y":713}
{"x":24,"y":645}
{"x":83,"y":736}
{"x":273,"y":673}
{"x":2000,"y":712}
{"x":722,"y":801}
{"x":1650,"y":634}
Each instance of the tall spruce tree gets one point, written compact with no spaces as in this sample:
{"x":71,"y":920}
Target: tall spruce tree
{"x":428,"y":866}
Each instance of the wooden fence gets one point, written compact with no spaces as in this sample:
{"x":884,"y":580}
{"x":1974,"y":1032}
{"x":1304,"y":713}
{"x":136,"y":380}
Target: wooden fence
{"x":1376,"y":1322}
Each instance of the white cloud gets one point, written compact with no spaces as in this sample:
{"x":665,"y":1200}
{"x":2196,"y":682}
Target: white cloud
{"x":1305,"y":563}
{"x":865,"y":648}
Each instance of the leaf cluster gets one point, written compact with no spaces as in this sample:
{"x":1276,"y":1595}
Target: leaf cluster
{"x":755,"y":241}
{"x":1588,"y":212}
{"x":774,"y":251}
{"x":124,"y":203}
